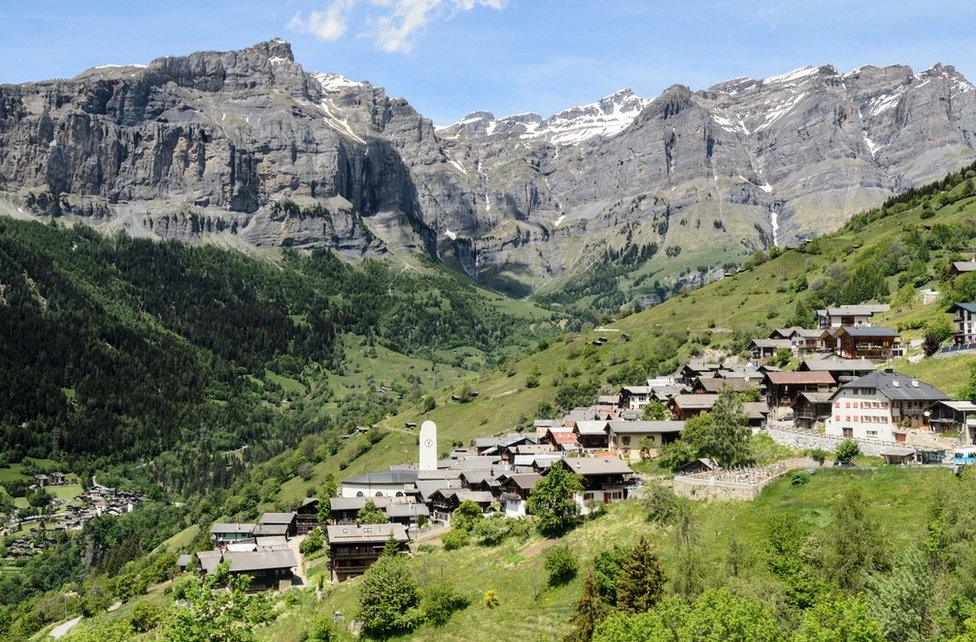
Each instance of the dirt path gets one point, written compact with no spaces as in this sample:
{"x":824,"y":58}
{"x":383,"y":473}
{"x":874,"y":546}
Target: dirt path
{"x":534,"y":549}
{"x":62,"y":629}
{"x":294,"y":544}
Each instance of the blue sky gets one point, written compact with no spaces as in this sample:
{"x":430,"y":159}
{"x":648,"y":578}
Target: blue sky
{"x":450,"y":57}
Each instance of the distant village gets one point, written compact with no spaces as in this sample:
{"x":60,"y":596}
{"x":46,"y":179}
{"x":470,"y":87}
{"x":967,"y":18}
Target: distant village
{"x":840,"y":390}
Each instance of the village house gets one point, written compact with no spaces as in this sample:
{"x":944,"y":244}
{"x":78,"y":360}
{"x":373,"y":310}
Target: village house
{"x":761,"y":349}
{"x":961,"y":267}
{"x":861,"y":342}
{"x":443,"y":502}
{"x":842,"y":370}
{"x":307,"y":515}
{"x":592,"y":435}
{"x":562,"y":440}
{"x":526,"y":449}
{"x":634,"y":397}
{"x":270,"y":569}
{"x":880,"y":405}
{"x":410,"y":514}
{"x":756,"y":412}
{"x":783,"y":388}
{"x":603,"y":479}
{"x":964,"y":331}
{"x":959,"y":417}
{"x":389,"y":483}
{"x":276,"y":524}
{"x":686,"y":406}
{"x":514,"y":492}
{"x":224,"y":533}
{"x":628,"y":438}
{"x":345,"y":510}
{"x":353,"y":549}
{"x":805,"y":341}
{"x":850,"y":315}
{"x":696,"y":368}
{"x":811,"y":408}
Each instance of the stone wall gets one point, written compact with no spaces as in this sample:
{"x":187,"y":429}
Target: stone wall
{"x":741,"y":484}
{"x":807,"y":439}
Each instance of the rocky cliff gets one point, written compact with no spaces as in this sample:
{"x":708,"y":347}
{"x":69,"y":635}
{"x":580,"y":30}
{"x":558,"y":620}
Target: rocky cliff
{"x":246,"y":147}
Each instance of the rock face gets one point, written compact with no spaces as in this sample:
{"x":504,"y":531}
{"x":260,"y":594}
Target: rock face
{"x":246,"y":147}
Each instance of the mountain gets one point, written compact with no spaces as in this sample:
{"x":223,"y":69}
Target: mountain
{"x":602,"y":203}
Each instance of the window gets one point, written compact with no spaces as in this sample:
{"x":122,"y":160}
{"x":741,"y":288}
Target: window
{"x":872,"y":433}
{"x":359,"y":493}
{"x":626,"y":440}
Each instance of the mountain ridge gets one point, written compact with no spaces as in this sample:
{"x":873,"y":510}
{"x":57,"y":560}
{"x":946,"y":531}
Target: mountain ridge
{"x":247,"y":148}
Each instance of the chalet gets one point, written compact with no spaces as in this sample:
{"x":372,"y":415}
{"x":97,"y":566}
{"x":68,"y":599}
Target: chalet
{"x":783,"y":333}
{"x":756,"y":412}
{"x":962,"y":267}
{"x":307,"y":515}
{"x":629,"y":438}
{"x":714,"y":385}
{"x":696,"y":368}
{"x":635,"y":397}
{"x":541,"y":426}
{"x":783,"y":388}
{"x":964,"y":332}
{"x":276,"y":524}
{"x":603,"y":478}
{"x":811,"y":408}
{"x":767,"y":348}
{"x":562,"y":440}
{"x":686,"y":406}
{"x":880,"y":405}
{"x":57,"y":478}
{"x":850,"y":315}
{"x":389,"y":483}
{"x":953,"y":416}
{"x":222,"y":533}
{"x":842,"y":370}
{"x":608,"y":400}
{"x":592,"y":435}
{"x":345,"y":510}
{"x":805,"y":341}
{"x":407,"y":513}
{"x":443,"y":502}
{"x":526,"y":449}
{"x":41,"y":480}
{"x":267,"y":569}
{"x":861,"y":342}
{"x":494,"y":445}
{"x":427,"y":487}
{"x":353,"y":549}
{"x":535,"y":463}
{"x":515,"y":489}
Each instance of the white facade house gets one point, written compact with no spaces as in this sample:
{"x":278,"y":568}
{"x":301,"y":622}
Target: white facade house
{"x":850,"y":315}
{"x":389,"y":483}
{"x":964,"y":332}
{"x":880,"y":406}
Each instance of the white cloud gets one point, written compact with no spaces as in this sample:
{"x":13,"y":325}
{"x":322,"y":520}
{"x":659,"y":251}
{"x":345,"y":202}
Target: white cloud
{"x":394,"y":29}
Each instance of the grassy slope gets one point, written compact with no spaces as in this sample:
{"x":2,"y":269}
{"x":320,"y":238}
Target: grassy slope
{"x":530,"y":611}
{"x":752,"y":299}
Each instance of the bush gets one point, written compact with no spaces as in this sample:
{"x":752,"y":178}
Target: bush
{"x":490,"y":599}
{"x":454,"y":539}
{"x":146,"y":617}
{"x":560,"y":564}
{"x":320,"y":630}
{"x":313,"y":542}
{"x":388,"y":598}
{"x":441,"y":601}
{"x":799,"y":477}
{"x":818,"y":455}
{"x":662,"y":504}
{"x":847,"y":450}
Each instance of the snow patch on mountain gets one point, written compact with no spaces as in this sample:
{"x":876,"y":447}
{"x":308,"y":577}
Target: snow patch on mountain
{"x":335,"y":82}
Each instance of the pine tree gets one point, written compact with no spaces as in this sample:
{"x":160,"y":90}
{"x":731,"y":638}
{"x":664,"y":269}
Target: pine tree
{"x":641,"y":580}
{"x":590,"y":611}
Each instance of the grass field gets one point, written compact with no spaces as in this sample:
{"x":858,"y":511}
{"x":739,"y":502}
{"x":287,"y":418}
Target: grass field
{"x":528,"y":610}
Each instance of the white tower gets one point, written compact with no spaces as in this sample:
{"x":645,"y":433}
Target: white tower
{"x":428,"y":446}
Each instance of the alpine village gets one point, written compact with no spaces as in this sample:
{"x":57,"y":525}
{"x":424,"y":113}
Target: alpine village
{"x":281,"y":360}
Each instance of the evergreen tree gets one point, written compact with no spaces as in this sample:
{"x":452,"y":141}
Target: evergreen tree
{"x":641,"y":581}
{"x":590,"y":611}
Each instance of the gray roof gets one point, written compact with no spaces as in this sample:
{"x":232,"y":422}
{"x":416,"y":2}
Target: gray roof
{"x":463,"y":494}
{"x":231,"y":528}
{"x":817,"y":397}
{"x":260,"y":560}
{"x":406,"y":510}
{"x":276,"y":518}
{"x":705,"y":401}
{"x":964,"y":266}
{"x":968,"y":307}
{"x":867,"y":308}
{"x":356,"y":503}
{"x":839,"y":364}
{"x":755,"y":409}
{"x":591,"y":427}
{"x":270,"y":529}
{"x":895,"y":386}
{"x":525,"y":481}
{"x":367,"y":533}
{"x":771,"y":343}
{"x":959,"y":406}
{"x":184,"y":560}
{"x":209,"y":560}
{"x":271,"y":541}
{"x":428,"y":487}
{"x":624,"y":427}
{"x":597,"y":466}
{"x":384,"y":477}
{"x":868,"y":331}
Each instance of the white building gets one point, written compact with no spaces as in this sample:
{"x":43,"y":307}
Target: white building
{"x":388,"y":483}
{"x":880,"y":405}
{"x":850,"y":315}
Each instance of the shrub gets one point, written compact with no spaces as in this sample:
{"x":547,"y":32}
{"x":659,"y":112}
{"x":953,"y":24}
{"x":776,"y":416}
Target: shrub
{"x":388,"y":598}
{"x":490,"y":599}
{"x":799,"y":477}
{"x":662,"y":504}
{"x":320,"y":630}
{"x":146,"y":617}
{"x":313,"y":542}
{"x":818,"y":455}
{"x":847,"y":450}
{"x":560,"y":564}
{"x":441,"y":601}
{"x":454,"y":539}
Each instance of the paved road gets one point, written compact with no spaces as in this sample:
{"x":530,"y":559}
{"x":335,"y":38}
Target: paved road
{"x":62,"y":629}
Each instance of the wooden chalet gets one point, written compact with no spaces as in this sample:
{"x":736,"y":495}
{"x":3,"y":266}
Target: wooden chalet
{"x":861,"y":342}
{"x":783,"y":388}
{"x":964,"y":330}
{"x":443,"y":502}
{"x":276,"y":524}
{"x":592,"y":435}
{"x":353,"y":549}
{"x":948,"y":416}
{"x":761,"y":349}
{"x":628,"y":438}
{"x":842,"y":370}
{"x":307,"y":515}
{"x":604,"y":478}
{"x":514,"y":491}
{"x":686,"y":406}
{"x":562,"y":440}
{"x":961,"y":267}
{"x":811,"y":408}
{"x":714,"y":385}
{"x":268,"y":569}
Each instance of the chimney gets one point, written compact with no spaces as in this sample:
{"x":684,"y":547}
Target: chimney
{"x":914,"y":383}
